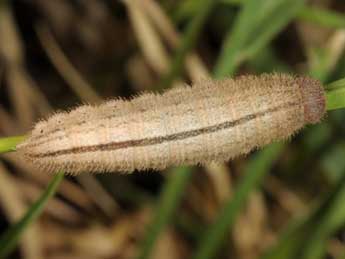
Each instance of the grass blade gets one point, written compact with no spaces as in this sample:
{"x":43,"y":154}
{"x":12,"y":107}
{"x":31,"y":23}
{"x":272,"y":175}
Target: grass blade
{"x":11,"y":237}
{"x":188,"y":41}
{"x":305,"y":238}
{"x":236,"y":38}
{"x":254,"y":173}
{"x":271,"y":26}
{"x":320,"y":16}
{"x":336,"y":99}
{"x":323,"y":17}
{"x":169,"y":200}
{"x":336,"y":85}
{"x":256,"y":25}
{"x":335,"y":95}
{"x":289,"y":241}
{"x":9,"y":144}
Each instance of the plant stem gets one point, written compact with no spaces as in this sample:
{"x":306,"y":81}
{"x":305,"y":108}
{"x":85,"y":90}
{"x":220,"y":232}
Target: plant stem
{"x":11,"y":237}
{"x":9,"y":144}
{"x":169,"y":200}
{"x":335,"y":95}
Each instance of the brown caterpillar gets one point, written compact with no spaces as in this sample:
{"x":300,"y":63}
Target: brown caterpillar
{"x":214,"y":120}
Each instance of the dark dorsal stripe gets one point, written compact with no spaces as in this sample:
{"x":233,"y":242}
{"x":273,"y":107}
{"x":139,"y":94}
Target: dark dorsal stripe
{"x":162,"y":139}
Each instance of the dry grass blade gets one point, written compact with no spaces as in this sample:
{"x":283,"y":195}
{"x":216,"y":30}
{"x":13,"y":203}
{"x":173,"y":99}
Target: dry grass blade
{"x":324,"y":48}
{"x":64,"y":66}
{"x":12,"y":48}
{"x":148,"y":39}
{"x":10,"y":238}
{"x":69,"y":190}
{"x":1,"y":72}
{"x":55,"y":207}
{"x":256,"y":169}
{"x":286,"y":198}
{"x":188,"y":42}
{"x":251,"y":227}
{"x":20,"y":96}
{"x":14,"y":207}
{"x":24,"y":93}
{"x":195,"y":67}
{"x":8,"y":124}
{"x":99,"y":195}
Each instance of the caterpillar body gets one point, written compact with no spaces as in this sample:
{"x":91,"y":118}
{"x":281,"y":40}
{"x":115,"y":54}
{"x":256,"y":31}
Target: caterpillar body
{"x":214,"y":120}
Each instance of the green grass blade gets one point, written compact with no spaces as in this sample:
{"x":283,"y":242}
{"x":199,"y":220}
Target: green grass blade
{"x":10,"y":238}
{"x":335,"y":95}
{"x":323,"y":17}
{"x":271,"y":27}
{"x":336,"y":85}
{"x":204,"y":9}
{"x":335,"y":99}
{"x":237,"y":37}
{"x":169,"y":200}
{"x":320,"y":64}
{"x":331,"y":217}
{"x":289,"y":241}
{"x":319,"y":16}
{"x":305,"y":238}
{"x":255,"y":171}
{"x":256,"y":25}
{"x":9,"y":144}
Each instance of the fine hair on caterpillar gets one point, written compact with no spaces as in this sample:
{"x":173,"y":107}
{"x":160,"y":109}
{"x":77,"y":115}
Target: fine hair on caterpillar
{"x":210,"y":121}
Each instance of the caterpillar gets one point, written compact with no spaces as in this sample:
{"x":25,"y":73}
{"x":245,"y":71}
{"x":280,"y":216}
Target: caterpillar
{"x":211,"y":121}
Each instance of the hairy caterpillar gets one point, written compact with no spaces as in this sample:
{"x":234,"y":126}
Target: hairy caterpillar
{"x":214,"y":120}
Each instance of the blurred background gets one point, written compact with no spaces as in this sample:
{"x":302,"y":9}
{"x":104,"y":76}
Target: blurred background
{"x":285,"y":201}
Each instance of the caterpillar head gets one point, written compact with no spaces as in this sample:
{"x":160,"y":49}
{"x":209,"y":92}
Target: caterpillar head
{"x":313,"y":97}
